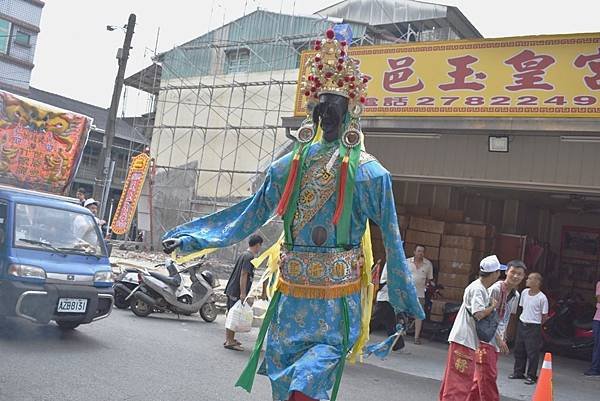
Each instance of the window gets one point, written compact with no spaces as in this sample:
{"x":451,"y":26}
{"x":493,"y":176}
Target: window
{"x":238,"y":60}
{"x":23,"y":38}
{"x":3,"y":215}
{"x":56,"y":230}
{"x":4,"y":36}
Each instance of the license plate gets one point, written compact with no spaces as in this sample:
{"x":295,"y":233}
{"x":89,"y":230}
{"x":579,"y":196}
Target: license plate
{"x":71,"y":305}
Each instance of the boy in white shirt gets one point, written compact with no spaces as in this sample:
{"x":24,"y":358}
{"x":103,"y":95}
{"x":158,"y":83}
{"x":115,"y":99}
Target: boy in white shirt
{"x":529,"y":330}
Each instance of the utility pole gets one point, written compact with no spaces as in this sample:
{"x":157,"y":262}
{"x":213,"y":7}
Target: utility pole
{"x":104,"y":160}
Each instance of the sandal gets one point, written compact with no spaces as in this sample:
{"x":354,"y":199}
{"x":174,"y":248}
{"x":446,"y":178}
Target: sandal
{"x":417,"y":341}
{"x":235,"y":342}
{"x":233,"y":347}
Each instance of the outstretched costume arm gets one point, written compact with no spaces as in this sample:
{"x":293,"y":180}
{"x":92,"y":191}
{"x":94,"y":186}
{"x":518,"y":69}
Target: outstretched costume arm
{"x":382,"y":211}
{"x":230,"y":225}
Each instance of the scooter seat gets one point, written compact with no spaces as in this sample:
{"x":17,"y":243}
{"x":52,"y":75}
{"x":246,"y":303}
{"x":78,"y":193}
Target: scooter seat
{"x":583,"y":325}
{"x":174,"y":281}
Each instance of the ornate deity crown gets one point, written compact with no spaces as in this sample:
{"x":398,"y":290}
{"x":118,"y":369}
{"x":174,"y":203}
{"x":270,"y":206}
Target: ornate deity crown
{"x":331,"y":70}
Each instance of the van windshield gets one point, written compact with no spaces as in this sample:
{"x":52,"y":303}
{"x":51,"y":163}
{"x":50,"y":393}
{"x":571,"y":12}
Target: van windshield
{"x":57,"y":230}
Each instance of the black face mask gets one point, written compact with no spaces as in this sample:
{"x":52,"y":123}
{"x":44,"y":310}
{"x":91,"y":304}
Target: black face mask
{"x":330,"y":111}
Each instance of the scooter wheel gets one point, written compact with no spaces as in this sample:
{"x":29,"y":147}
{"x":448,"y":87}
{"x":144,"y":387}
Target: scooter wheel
{"x":120,"y":301}
{"x":208,"y":312}
{"x":140,"y":308}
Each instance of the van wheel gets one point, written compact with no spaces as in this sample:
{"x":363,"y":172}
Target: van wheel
{"x":208,"y":312}
{"x":67,"y":325}
{"x":140,"y":308}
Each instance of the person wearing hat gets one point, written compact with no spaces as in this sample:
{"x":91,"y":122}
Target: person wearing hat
{"x":81,"y":227}
{"x":486,"y":367}
{"x":477,"y":304}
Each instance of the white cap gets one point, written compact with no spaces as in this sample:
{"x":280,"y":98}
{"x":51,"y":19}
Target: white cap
{"x":89,"y":202}
{"x":490,"y":264}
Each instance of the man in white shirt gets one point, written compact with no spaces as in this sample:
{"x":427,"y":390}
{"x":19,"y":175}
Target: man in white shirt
{"x":529,"y":330}
{"x":422,"y":273}
{"x":477,"y":304}
{"x":486,"y":367}
{"x":81,"y":227}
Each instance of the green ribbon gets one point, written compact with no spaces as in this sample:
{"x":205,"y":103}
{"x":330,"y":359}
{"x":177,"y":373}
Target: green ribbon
{"x":340,"y":369}
{"x":246,"y":379}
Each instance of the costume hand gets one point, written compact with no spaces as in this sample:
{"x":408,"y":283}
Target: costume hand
{"x":169,"y":245}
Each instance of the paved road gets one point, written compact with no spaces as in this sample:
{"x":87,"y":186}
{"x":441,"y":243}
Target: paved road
{"x":157,"y":358}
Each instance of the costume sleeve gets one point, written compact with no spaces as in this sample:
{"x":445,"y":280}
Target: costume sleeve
{"x":230,"y":225}
{"x":380,"y":208}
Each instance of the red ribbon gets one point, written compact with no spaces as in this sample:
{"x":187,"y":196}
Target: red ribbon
{"x":289,"y":186}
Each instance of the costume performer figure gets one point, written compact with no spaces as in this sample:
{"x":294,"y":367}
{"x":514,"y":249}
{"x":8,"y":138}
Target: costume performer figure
{"x":325,"y":190}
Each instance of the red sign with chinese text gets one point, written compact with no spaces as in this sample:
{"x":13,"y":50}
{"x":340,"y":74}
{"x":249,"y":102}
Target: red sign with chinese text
{"x":40,"y":145}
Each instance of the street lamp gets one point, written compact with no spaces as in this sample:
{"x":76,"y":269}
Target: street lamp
{"x":114,"y":27}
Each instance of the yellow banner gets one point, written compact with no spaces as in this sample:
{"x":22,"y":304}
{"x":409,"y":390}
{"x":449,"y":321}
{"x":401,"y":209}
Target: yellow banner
{"x":131,"y":194}
{"x":537,"y":76}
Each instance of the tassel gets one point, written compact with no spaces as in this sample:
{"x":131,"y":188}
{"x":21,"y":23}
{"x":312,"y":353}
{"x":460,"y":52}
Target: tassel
{"x":289,"y":186}
{"x":318,"y":291}
{"x":342,"y":189}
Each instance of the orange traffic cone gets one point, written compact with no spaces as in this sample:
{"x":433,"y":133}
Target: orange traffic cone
{"x":543,"y":390}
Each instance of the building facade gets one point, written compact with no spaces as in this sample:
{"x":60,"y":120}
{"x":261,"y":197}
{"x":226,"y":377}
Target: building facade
{"x":19,"y":28}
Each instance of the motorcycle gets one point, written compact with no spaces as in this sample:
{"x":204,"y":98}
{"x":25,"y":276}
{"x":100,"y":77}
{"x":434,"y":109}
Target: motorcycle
{"x":159,"y":293}
{"x":436,"y":330}
{"x":124,"y":284}
{"x":568,"y":329}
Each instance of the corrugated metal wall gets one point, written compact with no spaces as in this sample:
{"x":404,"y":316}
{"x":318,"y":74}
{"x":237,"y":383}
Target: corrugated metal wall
{"x":533,"y":162}
{"x":197,"y":58}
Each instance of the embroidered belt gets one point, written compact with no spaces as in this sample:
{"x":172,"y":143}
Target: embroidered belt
{"x":320,"y":275}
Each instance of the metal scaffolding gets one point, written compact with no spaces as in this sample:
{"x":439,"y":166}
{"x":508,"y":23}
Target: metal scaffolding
{"x":216,"y":105}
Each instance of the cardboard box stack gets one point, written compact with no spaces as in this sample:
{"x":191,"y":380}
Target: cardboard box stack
{"x":427,"y":232}
{"x":437,"y":310}
{"x":454,"y":247}
{"x":462,"y":247}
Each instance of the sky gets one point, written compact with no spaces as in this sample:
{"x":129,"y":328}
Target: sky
{"x":76,"y":54}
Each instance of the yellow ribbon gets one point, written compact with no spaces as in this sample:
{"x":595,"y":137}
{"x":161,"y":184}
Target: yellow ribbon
{"x":366,"y":298}
{"x":192,"y":256}
{"x":271,"y":272}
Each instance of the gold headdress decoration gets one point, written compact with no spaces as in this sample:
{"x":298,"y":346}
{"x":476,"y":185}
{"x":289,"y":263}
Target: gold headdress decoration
{"x":331,"y":70}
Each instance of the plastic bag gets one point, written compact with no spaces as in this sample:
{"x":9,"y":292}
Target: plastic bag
{"x":239,"y":318}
